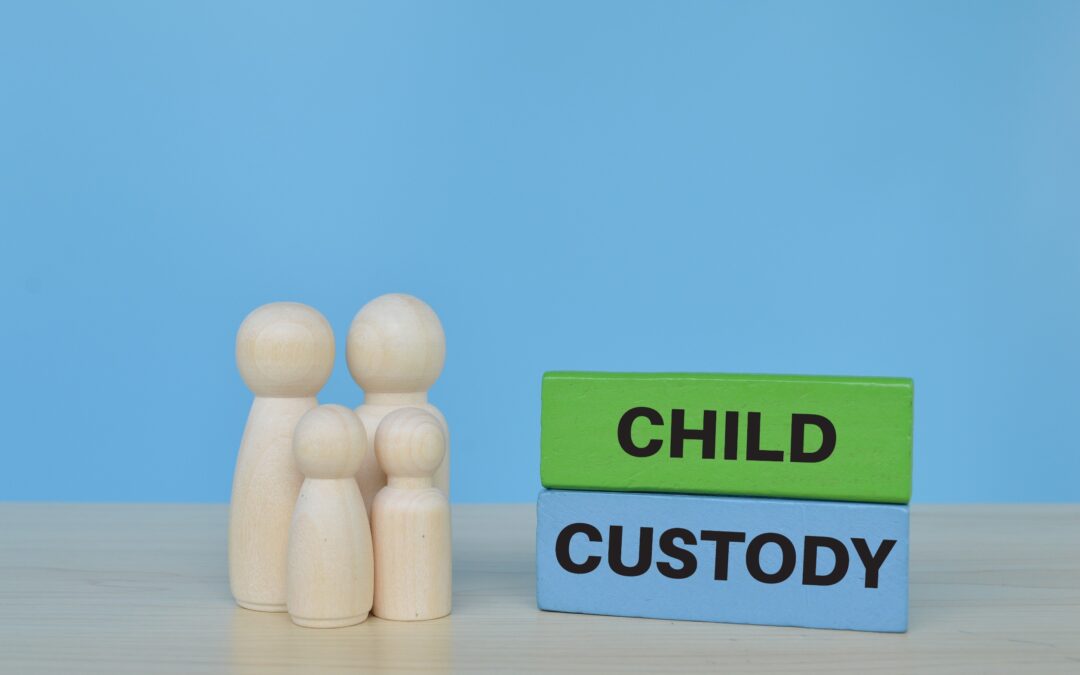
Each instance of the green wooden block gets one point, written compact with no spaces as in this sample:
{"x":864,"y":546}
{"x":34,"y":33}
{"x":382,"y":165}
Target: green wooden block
{"x":803,"y":437}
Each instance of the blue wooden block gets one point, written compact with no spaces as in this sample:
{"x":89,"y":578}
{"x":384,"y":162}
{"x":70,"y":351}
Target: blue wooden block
{"x":765,"y":561}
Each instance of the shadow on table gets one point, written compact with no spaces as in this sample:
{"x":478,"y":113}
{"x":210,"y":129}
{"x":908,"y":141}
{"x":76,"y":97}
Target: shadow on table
{"x":270,"y":642}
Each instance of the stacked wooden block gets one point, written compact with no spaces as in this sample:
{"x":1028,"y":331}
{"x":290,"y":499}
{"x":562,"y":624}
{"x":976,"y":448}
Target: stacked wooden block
{"x":761,"y":499}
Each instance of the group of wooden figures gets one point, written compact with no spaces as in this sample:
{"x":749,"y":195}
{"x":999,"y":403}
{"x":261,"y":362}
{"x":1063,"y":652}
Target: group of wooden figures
{"x":308,"y":475}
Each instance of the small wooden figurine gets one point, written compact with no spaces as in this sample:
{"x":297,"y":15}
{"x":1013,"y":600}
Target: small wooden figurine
{"x":411,"y":520}
{"x":330,"y":565}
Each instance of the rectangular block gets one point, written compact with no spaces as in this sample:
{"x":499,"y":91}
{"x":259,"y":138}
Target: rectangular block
{"x":838,"y":438}
{"x":737,"y":560}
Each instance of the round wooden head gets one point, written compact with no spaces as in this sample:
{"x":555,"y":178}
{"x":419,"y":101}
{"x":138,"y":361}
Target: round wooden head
{"x":285,"y":349}
{"x":410,"y":443}
{"x":329,"y":442}
{"x":396,"y":345}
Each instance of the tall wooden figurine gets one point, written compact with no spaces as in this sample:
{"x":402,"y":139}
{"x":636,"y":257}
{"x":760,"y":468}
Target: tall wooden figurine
{"x":396,"y":349}
{"x":410,"y":520}
{"x":285,"y":352}
{"x":330,"y":559}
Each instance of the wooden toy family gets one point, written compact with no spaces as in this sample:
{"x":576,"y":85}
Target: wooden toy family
{"x":761,"y":499}
{"x":308,"y":476}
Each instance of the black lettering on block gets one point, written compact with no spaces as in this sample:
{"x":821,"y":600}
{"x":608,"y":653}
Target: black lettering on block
{"x":798,"y":438}
{"x":753,"y":558}
{"x":810,"y":576}
{"x":562,"y":548}
{"x":615,"y":561}
{"x":626,"y":439}
{"x":669,"y":548}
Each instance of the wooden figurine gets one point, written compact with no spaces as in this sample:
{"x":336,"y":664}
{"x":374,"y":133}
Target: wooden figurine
{"x":411,"y":520}
{"x":285,"y":352}
{"x":396,"y":349}
{"x":331,"y":569}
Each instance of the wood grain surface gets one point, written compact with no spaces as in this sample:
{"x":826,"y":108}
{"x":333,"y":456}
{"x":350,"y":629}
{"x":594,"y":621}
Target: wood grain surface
{"x":143,"y":588}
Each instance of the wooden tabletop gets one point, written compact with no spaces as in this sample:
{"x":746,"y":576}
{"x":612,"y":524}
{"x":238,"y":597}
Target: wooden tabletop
{"x":143,"y":588}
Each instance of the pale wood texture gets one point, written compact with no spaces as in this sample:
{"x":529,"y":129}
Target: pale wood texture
{"x":265,"y":487}
{"x":371,"y":478}
{"x":331,"y":566}
{"x":142,"y":588}
{"x":395,"y":350}
{"x":410,"y":520}
{"x":285,"y":352}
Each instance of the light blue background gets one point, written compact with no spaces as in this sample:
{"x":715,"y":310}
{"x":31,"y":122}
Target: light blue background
{"x":878,"y":188}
